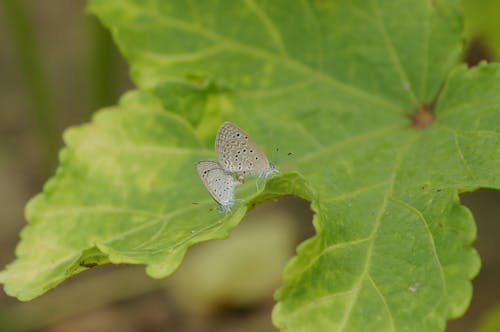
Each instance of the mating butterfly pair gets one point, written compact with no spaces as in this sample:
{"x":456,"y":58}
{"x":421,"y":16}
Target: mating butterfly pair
{"x":239,"y":156}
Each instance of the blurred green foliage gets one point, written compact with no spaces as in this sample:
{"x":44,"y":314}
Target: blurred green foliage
{"x":490,"y":321}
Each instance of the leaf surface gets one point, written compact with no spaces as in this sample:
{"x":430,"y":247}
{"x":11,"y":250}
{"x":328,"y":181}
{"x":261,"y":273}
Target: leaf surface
{"x":329,"y":85}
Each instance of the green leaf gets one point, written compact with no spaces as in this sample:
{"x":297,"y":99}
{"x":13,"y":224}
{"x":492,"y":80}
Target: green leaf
{"x":329,"y":84}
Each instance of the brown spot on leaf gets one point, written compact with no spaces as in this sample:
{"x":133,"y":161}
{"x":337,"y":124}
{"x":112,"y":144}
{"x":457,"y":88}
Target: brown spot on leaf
{"x":423,"y":117}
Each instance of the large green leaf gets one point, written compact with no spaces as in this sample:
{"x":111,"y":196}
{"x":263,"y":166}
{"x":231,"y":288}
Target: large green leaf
{"x":325,"y":87}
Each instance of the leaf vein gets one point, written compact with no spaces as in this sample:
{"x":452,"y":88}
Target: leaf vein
{"x":356,"y":192}
{"x":329,"y":249}
{"x":318,"y":301}
{"x":169,"y":59}
{"x":161,"y":218}
{"x":429,"y":235}
{"x":290,"y":63}
{"x":97,"y":209}
{"x":270,"y":26}
{"x":382,"y":297}
{"x":473,"y":105}
{"x":469,"y":132}
{"x":343,"y":144}
{"x":153,"y":148}
{"x":397,"y":165}
{"x":464,"y":162}
{"x":278,"y":91}
{"x":393,"y":55}
{"x":425,"y":51}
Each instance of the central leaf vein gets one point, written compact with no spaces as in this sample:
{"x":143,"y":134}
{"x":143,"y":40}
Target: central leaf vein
{"x":393,"y":55}
{"x":357,"y":288}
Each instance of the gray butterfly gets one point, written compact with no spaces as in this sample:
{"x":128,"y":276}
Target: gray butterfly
{"x":239,"y":154}
{"x":218,"y":182}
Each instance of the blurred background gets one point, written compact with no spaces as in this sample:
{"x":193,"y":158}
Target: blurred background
{"x":57,"y":66}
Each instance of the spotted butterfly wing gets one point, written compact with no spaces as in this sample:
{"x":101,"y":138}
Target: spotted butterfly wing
{"x":239,"y":154}
{"x":218,"y":182}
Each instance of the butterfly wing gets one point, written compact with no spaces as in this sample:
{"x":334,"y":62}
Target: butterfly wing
{"x":219,"y":183}
{"x":238,"y":153}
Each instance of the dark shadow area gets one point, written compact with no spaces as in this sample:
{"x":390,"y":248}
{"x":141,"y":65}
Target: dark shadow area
{"x":476,"y":52}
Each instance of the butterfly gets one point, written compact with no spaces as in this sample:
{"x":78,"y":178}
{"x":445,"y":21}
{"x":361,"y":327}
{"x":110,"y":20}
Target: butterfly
{"x":219,"y":183}
{"x":239,"y":154}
